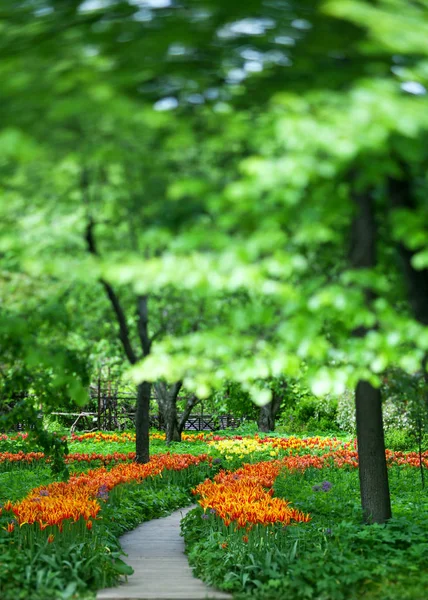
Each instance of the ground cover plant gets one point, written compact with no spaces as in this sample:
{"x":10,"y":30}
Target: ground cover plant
{"x":292,"y":527}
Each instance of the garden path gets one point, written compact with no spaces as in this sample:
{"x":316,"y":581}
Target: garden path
{"x":155,"y":551}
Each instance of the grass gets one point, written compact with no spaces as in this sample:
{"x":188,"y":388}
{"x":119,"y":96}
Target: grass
{"x":16,"y":484}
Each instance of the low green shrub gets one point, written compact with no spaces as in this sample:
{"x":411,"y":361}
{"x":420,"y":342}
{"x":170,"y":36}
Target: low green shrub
{"x":399,"y":440}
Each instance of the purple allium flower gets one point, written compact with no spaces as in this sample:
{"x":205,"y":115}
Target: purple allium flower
{"x":328,"y":531}
{"x":326,"y":486}
{"x":204,"y":516}
{"x":102,"y":492}
{"x":212,"y":511}
{"x":43,"y":493}
{"x":216,"y":461}
{"x":316,"y":488}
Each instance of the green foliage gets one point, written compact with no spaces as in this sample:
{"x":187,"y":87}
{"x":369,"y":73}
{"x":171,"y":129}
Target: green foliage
{"x":265,"y":157}
{"x":304,"y":412}
{"x":232,"y":399}
{"x":221,"y":193}
{"x":16,"y":481}
{"x":399,"y":440}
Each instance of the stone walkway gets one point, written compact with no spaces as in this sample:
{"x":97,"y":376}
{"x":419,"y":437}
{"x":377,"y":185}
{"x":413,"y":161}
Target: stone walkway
{"x":155,"y":551}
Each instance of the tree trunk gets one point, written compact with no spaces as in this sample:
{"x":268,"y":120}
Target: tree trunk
{"x":401,"y":195}
{"x":266,"y":420}
{"x":167,"y":402}
{"x":373,"y":472}
{"x":143,"y":391}
{"x":170,"y":416}
{"x":142,"y":418}
{"x":142,"y":423}
{"x":268,"y":412}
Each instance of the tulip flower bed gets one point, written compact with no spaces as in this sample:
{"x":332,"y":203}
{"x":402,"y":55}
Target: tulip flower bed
{"x":9,"y":460}
{"x":68,"y":502}
{"x":99,"y":436}
{"x":233,"y":451}
{"x":292,"y":528}
{"x":299,"y":453}
{"x":63,"y":535}
{"x":240,"y":498}
{"x":279,"y":517}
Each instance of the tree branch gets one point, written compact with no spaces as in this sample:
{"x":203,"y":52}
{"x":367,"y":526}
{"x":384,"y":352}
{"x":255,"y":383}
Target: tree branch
{"x":277,"y":397}
{"x":143,"y":322}
{"x":161,"y":393}
{"x":157,"y":334}
{"x":192,"y":401}
{"x":114,"y":300}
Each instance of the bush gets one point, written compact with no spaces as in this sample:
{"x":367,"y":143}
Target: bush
{"x":309,"y":414}
{"x":399,"y":440}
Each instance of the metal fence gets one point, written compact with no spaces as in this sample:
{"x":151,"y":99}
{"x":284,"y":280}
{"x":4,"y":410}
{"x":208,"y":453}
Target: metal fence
{"x":87,"y":421}
{"x":113,"y":409}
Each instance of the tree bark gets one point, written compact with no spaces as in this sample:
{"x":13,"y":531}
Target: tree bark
{"x":142,"y":423}
{"x":268,"y":413}
{"x":192,"y":401}
{"x":167,"y":401}
{"x":142,"y":419}
{"x":373,"y":473}
{"x":401,"y":196}
{"x":266,"y":421}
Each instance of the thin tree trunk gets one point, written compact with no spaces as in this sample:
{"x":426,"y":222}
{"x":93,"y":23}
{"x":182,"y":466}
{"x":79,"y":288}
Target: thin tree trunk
{"x":172,"y":432}
{"x":142,"y":423}
{"x":142,"y":418}
{"x":167,"y":401}
{"x":373,"y":473}
{"x":143,"y":391}
{"x":192,"y":401}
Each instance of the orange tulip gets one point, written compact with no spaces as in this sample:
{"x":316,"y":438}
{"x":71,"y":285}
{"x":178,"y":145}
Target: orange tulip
{"x":76,"y":499}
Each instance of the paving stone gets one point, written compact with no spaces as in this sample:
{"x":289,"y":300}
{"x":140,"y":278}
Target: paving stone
{"x":161,"y":572}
